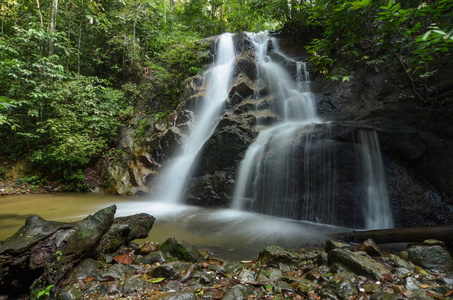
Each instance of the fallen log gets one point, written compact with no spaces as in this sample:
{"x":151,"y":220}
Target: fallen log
{"x":42,"y":253}
{"x":397,"y":235}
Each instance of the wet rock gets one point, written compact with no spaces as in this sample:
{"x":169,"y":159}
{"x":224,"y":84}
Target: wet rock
{"x":358,"y":262}
{"x":370,"y":247}
{"x":245,"y":63}
{"x":135,"y":284}
{"x":231,"y":268}
{"x":204,"y":277}
{"x":398,"y":262}
{"x":434,"y":243}
{"x":238,"y":292}
{"x":152,"y":258}
{"x":182,"y":250}
{"x":386,"y":296}
{"x":345,"y":289}
{"x":175,"y":296}
{"x":328,"y":296}
{"x":431,"y":257}
{"x":86,"y":269}
{"x":301,"y":285}
{"x":247,"y":275}
{"x":172,"y":270}
{"x":330,"y":245}
{"x":124,"y":230}
{"x":69,"y":293}
{"x":343,"y":275}
{"x":34,"y":247}
{"x":372,"y":288}
{"x":411,"y":284}
{"x":147,"y":248}
{"x":117,"y":272}
{"x":275,"y":255}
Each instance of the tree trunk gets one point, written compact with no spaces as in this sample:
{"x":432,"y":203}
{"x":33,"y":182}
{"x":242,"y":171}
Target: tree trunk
{"x":53,"y":24}
{"x":40,"y":14}
{"x":80,"y":38}
{"x":398,"y":235}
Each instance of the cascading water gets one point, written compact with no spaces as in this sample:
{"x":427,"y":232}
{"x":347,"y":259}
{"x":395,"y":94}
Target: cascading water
{"x":171,"y":185}
{"x":376,"y":207}
{"x":290,"y":169}
{"x":267,"y":176}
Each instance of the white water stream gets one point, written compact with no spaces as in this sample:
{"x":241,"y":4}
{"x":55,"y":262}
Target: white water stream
{"x":377,"y":204}
{"x":267,"y":176}
{"x":170,"y":187}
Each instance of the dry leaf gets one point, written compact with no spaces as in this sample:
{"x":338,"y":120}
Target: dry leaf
{"x":424,"y":286}
{"x":88,"y":279}
{"x":123,"y":259}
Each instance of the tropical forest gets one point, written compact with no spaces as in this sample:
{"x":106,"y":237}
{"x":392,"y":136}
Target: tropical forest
{"x":278,"y":149}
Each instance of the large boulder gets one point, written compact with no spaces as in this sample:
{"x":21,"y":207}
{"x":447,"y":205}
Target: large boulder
{"x":42,"y":253}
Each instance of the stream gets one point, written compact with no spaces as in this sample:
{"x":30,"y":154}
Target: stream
{"x":225,"y":233}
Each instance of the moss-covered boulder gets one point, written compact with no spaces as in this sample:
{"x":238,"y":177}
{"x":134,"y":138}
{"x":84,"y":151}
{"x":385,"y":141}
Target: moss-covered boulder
{"x":181,"y":250}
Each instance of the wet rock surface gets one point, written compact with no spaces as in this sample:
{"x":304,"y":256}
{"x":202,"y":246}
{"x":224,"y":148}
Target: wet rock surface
{"x":278,"y":273}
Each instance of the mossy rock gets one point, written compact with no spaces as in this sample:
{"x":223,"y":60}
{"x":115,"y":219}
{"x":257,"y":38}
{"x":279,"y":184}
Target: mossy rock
{"x":181,"y":250}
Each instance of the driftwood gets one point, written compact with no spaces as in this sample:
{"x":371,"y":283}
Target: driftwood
{"x":42,"y":253}
{"x":398,"y":235}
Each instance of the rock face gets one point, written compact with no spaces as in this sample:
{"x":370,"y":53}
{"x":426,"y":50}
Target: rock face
{"x":416,"y":144}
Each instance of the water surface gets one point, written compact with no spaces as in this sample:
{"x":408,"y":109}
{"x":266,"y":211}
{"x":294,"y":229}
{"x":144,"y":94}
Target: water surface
{"x":224,"y":233}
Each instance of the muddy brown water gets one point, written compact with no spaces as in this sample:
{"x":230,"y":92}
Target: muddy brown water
{"x":225,"y":233}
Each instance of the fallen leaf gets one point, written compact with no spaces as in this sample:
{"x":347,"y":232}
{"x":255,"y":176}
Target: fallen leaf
{"x":81,"y":284}
{"x":107,"y":278}
{"x":123,"y":259}
{"x":88,"y":279}
{"x":449,"y":293}
{"x":424,"y":286}
{"x":156,"y":280}
{"x":387,"y":277}
{"x":258,"y":283}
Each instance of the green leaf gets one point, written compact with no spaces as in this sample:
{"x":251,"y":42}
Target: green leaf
{"x":157,"y":280}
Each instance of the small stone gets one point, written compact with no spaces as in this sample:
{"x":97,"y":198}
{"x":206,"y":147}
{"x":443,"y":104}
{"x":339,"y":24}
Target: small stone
{"x":372,"y":288}
{"x":433,"y":242}
{"x":411,"y":283}
{"x":370,"y":247}
{"x":147,"y":248}
{"x":152,"y":258}
{"x":386,"y":296}
{"x":232,"y":268}
{"x":330,"y":245}
{"x":345,"y":289}
{"x":275,"y":255}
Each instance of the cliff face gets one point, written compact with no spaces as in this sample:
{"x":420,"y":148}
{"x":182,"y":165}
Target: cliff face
{"x":416,"y":142}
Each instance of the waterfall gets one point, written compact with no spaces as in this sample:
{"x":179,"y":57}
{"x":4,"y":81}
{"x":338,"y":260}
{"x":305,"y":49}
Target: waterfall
{"x":264,"y":179}
{"x":290,"y":170}
{"x":175,"y":176}
{"x":377,"y":210}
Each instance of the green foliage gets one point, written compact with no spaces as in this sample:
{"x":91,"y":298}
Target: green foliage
{"x":45,"y":292}
{"x":417,"y":35}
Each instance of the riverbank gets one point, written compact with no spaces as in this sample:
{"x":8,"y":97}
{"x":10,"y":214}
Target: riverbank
{"x":176,"y":270}
{"x":96,"y":258}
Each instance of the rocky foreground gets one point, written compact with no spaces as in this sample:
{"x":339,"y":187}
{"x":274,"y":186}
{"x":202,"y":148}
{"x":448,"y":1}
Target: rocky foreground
{"x":64,"y":261}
